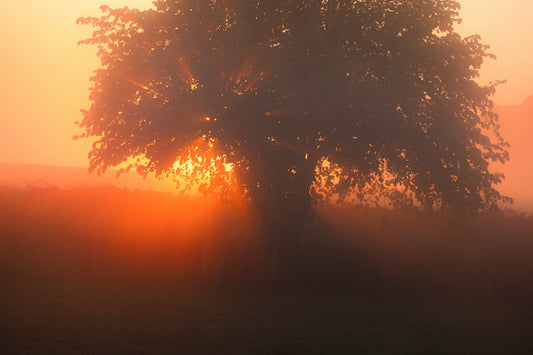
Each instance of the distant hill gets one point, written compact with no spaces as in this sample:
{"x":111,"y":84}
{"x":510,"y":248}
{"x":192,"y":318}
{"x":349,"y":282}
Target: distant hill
{"x":20,"y":175}
{"x":517,"y":128}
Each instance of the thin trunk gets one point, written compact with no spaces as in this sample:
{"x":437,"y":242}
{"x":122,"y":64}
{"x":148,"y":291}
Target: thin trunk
{"x":285,"y":227}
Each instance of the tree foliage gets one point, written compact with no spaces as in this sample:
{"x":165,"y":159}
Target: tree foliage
{"x":307,"y":99}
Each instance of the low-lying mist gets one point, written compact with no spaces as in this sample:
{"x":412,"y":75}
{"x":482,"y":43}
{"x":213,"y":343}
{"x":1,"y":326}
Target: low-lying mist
{"x":78,"y":235}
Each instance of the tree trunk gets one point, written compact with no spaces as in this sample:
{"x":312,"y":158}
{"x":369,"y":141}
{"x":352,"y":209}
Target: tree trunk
{"x":284,"y":212}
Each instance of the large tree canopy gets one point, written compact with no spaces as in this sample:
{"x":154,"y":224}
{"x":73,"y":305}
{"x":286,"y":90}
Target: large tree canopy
{"x":307,"y":99}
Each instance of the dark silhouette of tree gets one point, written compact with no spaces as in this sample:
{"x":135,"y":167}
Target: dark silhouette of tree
{"x":308,"y":99}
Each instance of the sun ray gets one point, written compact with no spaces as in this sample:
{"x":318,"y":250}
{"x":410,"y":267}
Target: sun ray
{"x":253,"y":82}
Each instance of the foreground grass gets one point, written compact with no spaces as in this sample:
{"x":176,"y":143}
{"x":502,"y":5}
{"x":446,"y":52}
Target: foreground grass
{"x":112,"y":318}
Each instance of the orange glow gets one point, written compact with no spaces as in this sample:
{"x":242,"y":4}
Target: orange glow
{"x":140,"y":229}
{"x":204,"y":170}
{"x":516,"y":126}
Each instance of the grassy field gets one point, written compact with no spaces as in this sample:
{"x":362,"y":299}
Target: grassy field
{"x":116,"y":318}
{"x":92,"y":271}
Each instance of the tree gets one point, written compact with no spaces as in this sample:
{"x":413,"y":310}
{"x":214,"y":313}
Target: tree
{"x":307,"y":99}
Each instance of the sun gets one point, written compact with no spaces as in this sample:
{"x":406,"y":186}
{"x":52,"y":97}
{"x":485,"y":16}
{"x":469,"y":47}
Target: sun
{"x":205,"y":171}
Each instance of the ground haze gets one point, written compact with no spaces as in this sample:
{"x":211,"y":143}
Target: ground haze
{"x":103,"y":269}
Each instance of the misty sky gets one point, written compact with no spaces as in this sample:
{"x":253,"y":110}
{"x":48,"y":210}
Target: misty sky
{"x":506,"y":26}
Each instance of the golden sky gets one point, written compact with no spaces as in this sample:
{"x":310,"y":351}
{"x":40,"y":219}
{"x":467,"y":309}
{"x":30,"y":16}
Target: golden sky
{"x":45,"y":75}
{"x":45,"y":78}
{"x":507,"y":26}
